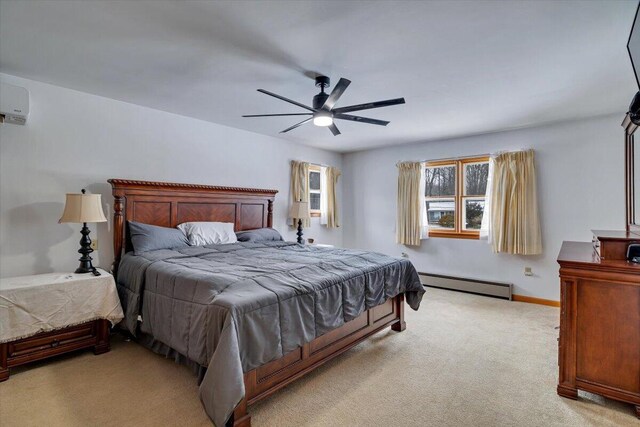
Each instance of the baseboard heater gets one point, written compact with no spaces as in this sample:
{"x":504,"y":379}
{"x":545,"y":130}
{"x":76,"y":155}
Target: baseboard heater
{"x":474,"y":286}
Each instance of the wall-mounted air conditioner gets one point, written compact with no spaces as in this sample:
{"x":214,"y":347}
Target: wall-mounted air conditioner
{"x":14,"y":104}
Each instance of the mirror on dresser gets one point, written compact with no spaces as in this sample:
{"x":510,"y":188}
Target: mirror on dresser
{"x":632,"y":173}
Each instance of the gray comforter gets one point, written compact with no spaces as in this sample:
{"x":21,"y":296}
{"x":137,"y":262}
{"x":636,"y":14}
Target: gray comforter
{"x":235,"y":307}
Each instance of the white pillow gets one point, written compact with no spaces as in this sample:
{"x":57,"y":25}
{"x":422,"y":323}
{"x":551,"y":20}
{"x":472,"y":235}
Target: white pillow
{"x":208,"y":233}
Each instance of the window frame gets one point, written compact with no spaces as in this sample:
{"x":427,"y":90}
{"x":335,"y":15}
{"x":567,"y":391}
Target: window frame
{"x":314,"y":212}
{"x":458,"y":231}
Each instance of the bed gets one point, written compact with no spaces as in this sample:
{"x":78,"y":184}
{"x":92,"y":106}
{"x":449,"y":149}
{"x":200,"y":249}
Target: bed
{"x":252,"y":316}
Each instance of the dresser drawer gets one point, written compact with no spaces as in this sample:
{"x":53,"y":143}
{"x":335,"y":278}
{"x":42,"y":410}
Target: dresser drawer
{"x":93,"y":334}
{"x":53,"y":339}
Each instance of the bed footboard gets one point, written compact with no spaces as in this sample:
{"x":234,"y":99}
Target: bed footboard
{"x":267,"y":379}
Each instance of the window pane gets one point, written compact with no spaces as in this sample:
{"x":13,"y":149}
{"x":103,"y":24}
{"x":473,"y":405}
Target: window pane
{"x":442,"y":213}
{"x":475,"y":179}
{"x":441,"y":181}
{"x":314,"y":201}
{"x":314,"y":180}
{"x":473,"y":209}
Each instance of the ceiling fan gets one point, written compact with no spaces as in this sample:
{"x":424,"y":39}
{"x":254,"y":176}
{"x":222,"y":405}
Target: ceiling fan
{"x":323,"y":113}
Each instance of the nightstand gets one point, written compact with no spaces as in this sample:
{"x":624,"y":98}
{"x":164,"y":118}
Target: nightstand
{"x":50,"y":314}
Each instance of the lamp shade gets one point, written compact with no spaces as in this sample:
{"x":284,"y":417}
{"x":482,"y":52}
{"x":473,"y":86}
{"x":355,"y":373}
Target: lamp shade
{"x":83,"y":208}
{"x":299,"y":210}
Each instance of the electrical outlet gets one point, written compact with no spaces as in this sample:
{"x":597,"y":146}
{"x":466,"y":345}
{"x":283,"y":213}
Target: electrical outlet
{"x":94,"y":244}
{"x":528,"y":271}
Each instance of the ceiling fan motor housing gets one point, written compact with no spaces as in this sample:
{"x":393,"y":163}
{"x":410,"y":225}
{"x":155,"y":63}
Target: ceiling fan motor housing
{"x":318,"y":100}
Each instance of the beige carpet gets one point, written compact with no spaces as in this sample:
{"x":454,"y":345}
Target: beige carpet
{"x":464,"y":360}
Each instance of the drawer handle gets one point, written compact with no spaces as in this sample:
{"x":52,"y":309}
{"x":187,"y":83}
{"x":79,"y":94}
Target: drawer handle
{"x":55,"y":343}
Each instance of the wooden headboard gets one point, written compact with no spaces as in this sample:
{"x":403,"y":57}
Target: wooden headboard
{"x":168,"y":204}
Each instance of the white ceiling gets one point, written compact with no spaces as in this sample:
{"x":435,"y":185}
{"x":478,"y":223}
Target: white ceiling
{"x":463,"y":67}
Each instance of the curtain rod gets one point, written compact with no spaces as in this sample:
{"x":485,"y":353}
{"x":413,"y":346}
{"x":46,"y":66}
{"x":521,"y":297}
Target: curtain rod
{"x":316,"y":164}
{"x":446,"y":158}
{"x":464,"y":157}
{"x":319,"y":164}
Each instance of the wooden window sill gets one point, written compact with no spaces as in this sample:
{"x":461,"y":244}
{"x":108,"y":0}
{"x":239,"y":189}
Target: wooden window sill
{"x":453,"y":235}
{"x":314,"y":214}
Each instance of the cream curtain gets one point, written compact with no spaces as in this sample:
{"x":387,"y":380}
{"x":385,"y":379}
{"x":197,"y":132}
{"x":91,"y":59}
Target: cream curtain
{"x":329,"y":203}
{"x":410,"y":212}
{"x":514,"y":223}
{"x":299,"y":188}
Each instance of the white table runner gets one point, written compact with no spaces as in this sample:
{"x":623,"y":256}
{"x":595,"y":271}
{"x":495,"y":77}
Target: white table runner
{"x":45,"y":302}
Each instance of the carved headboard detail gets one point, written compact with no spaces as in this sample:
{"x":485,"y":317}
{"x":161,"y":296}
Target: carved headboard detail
{"x":168,"y":204}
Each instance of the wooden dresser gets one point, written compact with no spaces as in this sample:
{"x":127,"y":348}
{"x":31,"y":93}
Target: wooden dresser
{"x":599,"y":345}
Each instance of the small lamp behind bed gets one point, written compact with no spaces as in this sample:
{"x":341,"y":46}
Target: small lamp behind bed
{"x":84,"y":208}
{"x":299,"y":211}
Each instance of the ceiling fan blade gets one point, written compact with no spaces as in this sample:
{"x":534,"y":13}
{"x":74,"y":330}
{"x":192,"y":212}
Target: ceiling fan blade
{"x":334,"y":129}
{"x":266,"y":92}
{"x":336,"y":93}
{"x":360,"y":119}
{"x":297,"y":124}
{"x":277,"y":115}
{"x":369,"y":105}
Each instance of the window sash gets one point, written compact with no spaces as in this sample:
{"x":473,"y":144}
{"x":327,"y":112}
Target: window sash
{"x":464,"y":212}
{"x":314,"y":169}
{"x":444,"y":166}
{"x":464,"y":177}
{"x":433,"y":225}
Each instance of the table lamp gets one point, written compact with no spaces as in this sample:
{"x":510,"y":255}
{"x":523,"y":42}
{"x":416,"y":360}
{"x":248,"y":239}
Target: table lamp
{"x":84,"y":208}
{"x":299,"y":211}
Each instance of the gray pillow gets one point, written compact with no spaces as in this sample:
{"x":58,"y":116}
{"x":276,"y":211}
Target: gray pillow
{"x":259,"y":235}
{"x":147,"y":237}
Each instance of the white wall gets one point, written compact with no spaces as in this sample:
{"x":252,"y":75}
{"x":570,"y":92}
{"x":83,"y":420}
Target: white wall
{"x":74,"y":140}
{"x":580,"y":168}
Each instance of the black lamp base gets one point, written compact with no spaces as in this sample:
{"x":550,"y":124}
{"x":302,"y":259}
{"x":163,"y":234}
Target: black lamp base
{"x":85,"y":250}
{"x":299,"y":233}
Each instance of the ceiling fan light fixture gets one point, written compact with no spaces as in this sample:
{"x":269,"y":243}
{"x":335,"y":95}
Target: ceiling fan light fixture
{"x":323,"y":120}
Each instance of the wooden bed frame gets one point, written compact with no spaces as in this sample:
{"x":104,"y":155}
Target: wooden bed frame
{"x":169,"y":204}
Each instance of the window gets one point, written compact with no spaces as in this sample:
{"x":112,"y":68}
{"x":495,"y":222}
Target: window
{"x":314,"y":190}
{"x":455,"y":196}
